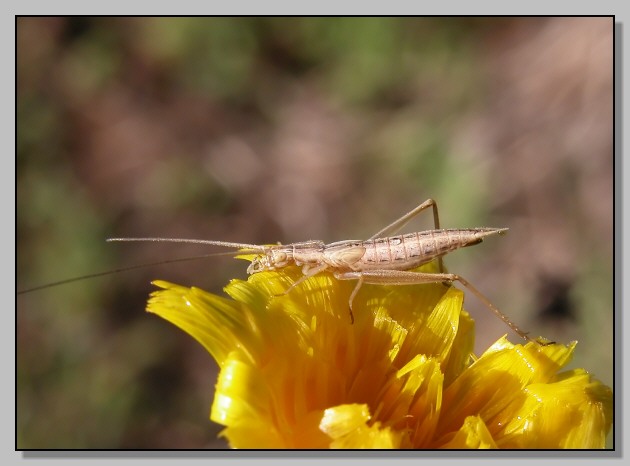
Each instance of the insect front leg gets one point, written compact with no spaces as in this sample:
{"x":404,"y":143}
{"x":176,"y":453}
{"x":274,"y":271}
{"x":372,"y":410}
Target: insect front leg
{"x":401,"y":277}
{"x":308,"y":273}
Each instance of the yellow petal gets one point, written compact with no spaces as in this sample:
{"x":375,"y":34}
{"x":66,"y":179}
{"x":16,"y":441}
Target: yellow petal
{"x":573,"y":412}
{"x":420,"y":399}
{"x":473,"y":434}
{"x":488,"y":387}
{"x":246,"y":416}
{"x":347,"y":426}
{"x":341,"y":420}
{"x":436,"y":336}
{"x":295,"y":373}
{"x":369,"y":437}
{"x":461,"y":350}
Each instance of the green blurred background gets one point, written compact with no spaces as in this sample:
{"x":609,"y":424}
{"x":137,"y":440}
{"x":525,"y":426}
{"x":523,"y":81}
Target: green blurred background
{"x":285,"y":129}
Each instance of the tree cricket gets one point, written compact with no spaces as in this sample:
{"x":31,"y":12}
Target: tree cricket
{"x":383,"y":259}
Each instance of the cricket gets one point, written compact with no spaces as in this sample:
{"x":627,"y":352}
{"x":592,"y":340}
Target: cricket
{"x":383,"y":259}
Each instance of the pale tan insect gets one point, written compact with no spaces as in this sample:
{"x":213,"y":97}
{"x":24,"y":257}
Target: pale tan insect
{"x":381,"y":259}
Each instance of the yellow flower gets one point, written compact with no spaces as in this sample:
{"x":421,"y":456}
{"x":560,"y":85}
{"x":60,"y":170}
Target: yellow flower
{"x":295,"y":373}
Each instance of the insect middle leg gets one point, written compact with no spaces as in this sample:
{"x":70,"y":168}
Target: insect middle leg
{"x":401,"y":277}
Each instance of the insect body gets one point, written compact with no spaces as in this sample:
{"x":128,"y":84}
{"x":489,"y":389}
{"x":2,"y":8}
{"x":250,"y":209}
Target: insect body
{"x":383,"y":259}
{"x":380,"y":260}
{"x":402,"y":252}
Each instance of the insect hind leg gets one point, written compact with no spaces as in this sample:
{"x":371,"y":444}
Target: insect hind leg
{"x":399,"y":223}
{"x":400,"y":277}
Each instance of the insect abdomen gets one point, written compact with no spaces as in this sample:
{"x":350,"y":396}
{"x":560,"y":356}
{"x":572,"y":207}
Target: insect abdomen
{"x":404,"y":252}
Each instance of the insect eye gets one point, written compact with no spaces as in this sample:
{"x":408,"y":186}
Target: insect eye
{"x":255,"y":266}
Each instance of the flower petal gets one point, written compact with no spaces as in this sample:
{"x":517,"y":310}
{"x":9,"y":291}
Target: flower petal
{"x":490,"y":384}
{"x":473,"y":434}
{"x":213,"y":321}
{"x":347,"y":426}
{"x":296,"y":373}
{"x":573,"y":412}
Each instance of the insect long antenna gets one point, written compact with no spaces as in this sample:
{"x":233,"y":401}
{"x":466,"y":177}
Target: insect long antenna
{"x":137,"y":266}
{"x":226,"y":244}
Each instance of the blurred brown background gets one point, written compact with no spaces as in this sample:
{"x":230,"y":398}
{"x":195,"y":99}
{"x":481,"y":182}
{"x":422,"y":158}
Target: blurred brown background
{"x":261,"y":130}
